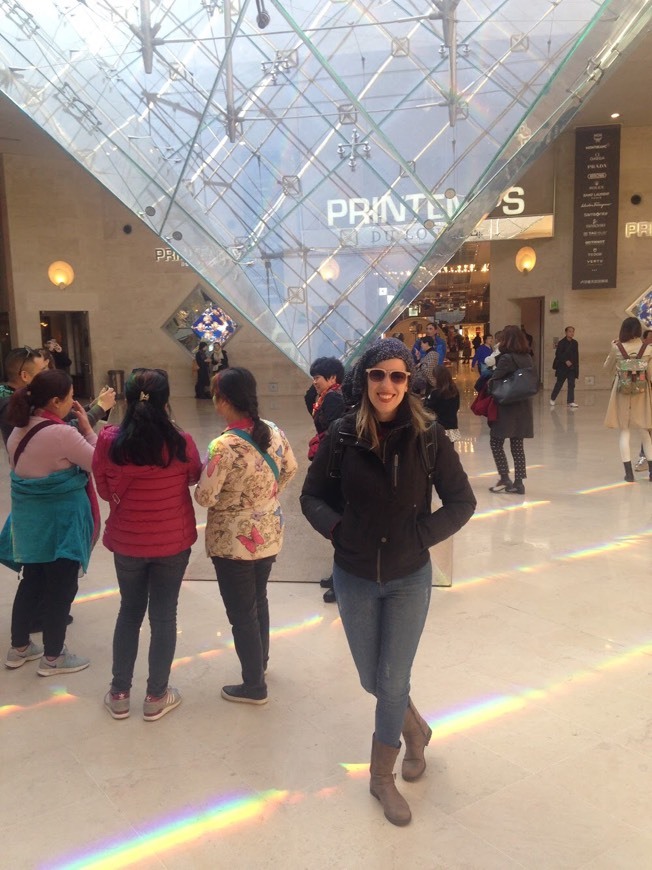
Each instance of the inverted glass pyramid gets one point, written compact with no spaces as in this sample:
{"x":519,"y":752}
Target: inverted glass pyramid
{"x":346,"y":148}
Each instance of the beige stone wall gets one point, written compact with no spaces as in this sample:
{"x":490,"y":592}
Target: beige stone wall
{"x":596,"y":315}
{"x":56,"y":211}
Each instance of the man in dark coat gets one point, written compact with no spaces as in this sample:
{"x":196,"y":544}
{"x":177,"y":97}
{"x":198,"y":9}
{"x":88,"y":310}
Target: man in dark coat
{"x":567,"y":367}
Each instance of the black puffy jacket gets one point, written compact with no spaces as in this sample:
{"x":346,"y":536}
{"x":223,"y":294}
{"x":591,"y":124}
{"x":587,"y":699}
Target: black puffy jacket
{"x":378,"y":512}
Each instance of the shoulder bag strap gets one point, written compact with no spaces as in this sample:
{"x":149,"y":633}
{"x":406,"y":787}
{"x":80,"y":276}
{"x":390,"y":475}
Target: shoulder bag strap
{"x":25,"y":441}
{"x":268,"y":459}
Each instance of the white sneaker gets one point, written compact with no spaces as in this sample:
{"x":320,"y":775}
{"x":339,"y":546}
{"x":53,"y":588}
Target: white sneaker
{"x":641,"y":464}
{"x":573,"y":405}
{"x":552,"y":403}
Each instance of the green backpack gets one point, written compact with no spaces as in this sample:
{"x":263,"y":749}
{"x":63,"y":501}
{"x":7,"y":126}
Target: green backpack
{"x":631,"y":371}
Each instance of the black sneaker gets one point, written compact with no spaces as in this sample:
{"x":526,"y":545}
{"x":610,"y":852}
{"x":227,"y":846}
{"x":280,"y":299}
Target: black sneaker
{"x":326,"y":582}
{"x":329,"y":596}
{"x":243,"y":695}
{"x":516,"y":487}
{"x":502,"y":485}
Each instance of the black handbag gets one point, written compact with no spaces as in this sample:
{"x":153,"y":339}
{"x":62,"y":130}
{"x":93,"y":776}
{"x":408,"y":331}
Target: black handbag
{"x":518,"y":385}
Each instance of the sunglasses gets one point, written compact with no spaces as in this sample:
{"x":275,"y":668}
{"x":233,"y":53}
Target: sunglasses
{"x":377,"y":376}
{"x":30,"y":353}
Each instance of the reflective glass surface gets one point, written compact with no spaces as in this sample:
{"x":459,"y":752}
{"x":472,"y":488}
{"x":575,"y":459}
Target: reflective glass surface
{"x":317,"y":171}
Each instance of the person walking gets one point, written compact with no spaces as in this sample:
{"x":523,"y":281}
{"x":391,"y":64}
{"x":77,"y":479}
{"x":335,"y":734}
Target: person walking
{"x":54,"y":517}
{"x":377,"y":513}
{"x":567,"y":366}
{"x":143,"y":468}
{"x":247,"y":466}
{"x":515,"y":420}
{"x":631,"y":408}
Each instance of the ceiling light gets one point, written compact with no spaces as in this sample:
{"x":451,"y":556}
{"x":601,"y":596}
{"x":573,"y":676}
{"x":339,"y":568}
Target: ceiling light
{"x":615,"y":115}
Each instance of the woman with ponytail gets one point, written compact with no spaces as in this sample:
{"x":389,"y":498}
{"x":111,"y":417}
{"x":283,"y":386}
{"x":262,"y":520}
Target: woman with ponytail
{"x":247,"y":466}
{"x":54,"y":517}
{"x":143,"y":468}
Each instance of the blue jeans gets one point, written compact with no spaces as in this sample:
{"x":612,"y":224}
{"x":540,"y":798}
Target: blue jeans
{"x":152,"y":583}
{"x":383,"y":624}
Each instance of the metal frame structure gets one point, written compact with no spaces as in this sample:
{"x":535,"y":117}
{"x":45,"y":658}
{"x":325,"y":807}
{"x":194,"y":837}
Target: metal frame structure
{"x":369,"y":134}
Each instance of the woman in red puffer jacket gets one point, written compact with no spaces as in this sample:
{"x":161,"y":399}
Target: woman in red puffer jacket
{"x":143,"y":468}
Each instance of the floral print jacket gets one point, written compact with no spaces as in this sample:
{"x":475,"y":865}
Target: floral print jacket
{"x":239,"y":489}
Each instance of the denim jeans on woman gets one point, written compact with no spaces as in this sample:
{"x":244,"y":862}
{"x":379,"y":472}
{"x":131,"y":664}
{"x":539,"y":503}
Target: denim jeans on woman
{"x":383,"y":623}
{"x":154,"y":583}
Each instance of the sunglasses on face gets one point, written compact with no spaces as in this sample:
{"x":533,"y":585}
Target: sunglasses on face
{"x":377,"y":376}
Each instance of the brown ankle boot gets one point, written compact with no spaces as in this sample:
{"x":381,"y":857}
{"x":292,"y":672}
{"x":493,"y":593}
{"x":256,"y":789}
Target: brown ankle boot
{"x":417,"y":734}
{"x":383,"y":785}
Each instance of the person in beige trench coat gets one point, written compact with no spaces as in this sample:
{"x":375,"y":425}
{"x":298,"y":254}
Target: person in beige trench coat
{"x":626,"y":412}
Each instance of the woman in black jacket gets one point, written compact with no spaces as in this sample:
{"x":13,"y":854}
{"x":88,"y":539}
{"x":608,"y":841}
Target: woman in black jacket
{"x":515,"y":420}
{"x":377,"y":511}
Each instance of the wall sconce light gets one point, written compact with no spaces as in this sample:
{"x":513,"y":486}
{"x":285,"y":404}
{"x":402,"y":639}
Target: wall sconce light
{"x":525,"y":260}
{"x":329,"y":270}
{"x":61,"y":274}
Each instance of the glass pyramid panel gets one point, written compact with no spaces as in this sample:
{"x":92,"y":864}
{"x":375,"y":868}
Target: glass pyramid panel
{"x":318,"y":171}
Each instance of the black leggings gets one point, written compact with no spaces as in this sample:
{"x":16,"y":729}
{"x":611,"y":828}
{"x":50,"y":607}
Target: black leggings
{"x":518,"y":455}
{"x":54,"y":586}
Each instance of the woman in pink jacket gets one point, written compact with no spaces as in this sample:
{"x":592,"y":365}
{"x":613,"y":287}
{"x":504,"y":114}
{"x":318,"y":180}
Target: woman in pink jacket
{"x":143,"y":469}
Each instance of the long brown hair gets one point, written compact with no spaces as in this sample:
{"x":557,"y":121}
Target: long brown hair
{"x":513,"y":340}
{"x":630,"y":328}
{"x":444,"y":383}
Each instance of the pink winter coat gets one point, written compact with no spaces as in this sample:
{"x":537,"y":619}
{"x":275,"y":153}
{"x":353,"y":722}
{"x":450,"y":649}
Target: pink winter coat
{"x":152,"y":512}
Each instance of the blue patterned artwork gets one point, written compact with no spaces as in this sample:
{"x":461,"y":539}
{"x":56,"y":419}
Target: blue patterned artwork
{"x":214,"y":326}
{"x":642,"y":308}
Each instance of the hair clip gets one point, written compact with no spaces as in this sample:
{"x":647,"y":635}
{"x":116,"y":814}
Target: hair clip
{"x":144,"y":397}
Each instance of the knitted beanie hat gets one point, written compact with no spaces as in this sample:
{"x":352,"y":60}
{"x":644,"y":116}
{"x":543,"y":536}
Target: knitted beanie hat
{"x":380,"y":351}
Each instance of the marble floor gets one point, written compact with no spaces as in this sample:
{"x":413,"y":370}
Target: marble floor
{"x":534,"y":671}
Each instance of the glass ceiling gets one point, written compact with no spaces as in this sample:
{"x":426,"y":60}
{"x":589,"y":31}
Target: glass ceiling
{"x":317,"y":171}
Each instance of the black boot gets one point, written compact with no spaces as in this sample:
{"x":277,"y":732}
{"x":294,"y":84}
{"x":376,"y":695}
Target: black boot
{"x":516,"y":487}
{"x":629,"y":474}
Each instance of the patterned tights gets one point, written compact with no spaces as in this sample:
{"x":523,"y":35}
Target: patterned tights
{"x":518,"y":455}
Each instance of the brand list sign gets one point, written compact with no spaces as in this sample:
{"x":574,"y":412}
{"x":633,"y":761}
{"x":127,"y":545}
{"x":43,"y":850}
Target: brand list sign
{"x":595,"y":213}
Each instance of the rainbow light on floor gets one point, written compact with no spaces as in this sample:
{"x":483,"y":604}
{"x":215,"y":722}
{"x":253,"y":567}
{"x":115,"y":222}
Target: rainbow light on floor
{"x":97,"y":596}
{"x":59,"y":696}
{"x":179,"y":832}
{"x":207,"y":654}
{"x":296,"y":627}
{"x":200,"y":526}
{"x":355,"y":770}
{"x":602,"y":488}
{"x":622,"y":543}
{"x":496,"y":512}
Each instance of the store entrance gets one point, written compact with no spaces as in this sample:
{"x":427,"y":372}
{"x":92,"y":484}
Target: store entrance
{"x":70,"y":329}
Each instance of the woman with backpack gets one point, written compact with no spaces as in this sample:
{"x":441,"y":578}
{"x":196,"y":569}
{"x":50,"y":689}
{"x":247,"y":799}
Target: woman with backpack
{"x":375,"y":507}
{"x":630,"y":403}
{"x":144,"y":468}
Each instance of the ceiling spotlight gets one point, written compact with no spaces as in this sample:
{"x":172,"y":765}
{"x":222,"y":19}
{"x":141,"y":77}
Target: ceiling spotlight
{"x":615,"y":115}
